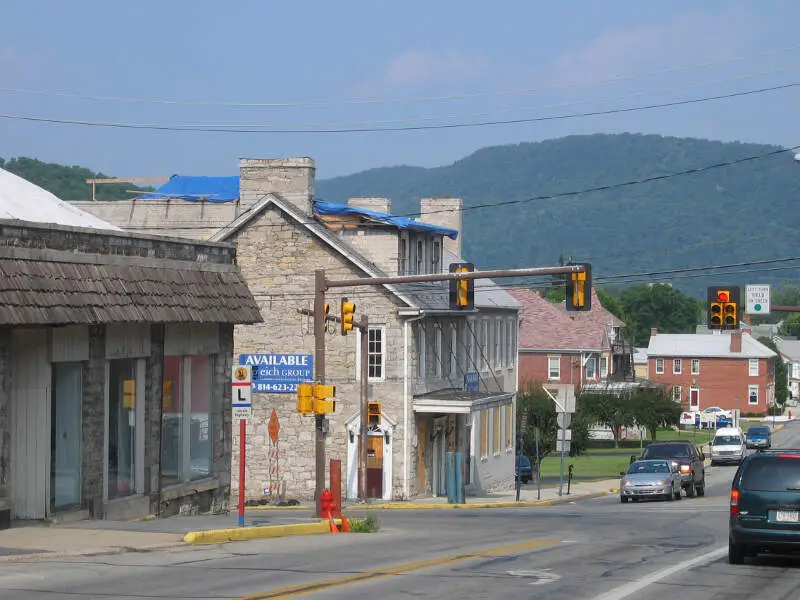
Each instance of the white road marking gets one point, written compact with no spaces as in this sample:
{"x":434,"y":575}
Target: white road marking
{"x":635,"y":586}
{"x":542,"y":576}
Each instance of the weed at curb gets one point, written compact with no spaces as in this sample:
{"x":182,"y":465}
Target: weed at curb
{"x":368,"y":524}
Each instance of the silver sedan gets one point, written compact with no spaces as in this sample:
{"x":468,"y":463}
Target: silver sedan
{"x":650,"y":479}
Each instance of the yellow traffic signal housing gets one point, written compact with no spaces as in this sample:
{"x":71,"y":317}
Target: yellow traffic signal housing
{"x":324,"y":391}
{"x":374,"y":413}
{"x":348,"y":308}
{"x":462,"y":291}
{"x":723,"y":307}
{"x":323,"y":407}
{"x":579,"y":289}
{"x":305,"y":398}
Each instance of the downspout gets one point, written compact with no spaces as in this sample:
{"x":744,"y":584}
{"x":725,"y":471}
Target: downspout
{"x":405,"y":403}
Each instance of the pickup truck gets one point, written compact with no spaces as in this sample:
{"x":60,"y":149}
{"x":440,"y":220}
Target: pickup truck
{"x":689,"y":460}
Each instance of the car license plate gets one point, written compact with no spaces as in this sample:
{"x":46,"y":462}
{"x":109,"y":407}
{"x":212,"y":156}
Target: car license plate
{"x":787,"y":516}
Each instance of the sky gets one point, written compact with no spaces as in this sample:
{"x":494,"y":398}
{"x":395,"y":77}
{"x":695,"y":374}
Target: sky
{"x":294,"y":74}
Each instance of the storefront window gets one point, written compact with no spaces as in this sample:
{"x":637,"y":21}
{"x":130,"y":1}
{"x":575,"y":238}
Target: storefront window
{"x":202,"y":417}
{"x":172,"y":422}
{"x":122,"y":404}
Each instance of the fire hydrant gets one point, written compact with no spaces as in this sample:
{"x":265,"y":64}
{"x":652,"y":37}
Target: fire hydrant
{"x":327,"y":506}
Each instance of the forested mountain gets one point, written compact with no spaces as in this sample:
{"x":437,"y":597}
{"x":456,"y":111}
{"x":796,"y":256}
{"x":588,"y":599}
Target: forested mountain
{"x":738,"y":213}
{"x":68,"y":183}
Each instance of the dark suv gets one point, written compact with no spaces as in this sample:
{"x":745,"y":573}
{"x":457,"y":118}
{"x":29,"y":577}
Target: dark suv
{"x":689,"y":460}
{"x":765,"y":504}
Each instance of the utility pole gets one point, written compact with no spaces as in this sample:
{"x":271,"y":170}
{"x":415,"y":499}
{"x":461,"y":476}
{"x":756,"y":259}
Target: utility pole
{"x":362,"y":444}
{"x":319,"y":376}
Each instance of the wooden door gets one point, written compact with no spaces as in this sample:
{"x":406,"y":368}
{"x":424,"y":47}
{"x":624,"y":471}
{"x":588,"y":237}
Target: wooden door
{"x":375,"y":466}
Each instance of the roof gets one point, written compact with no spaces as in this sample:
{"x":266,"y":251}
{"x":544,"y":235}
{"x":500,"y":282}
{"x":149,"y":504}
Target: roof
{"x":640,"y":356}
{"x":22,"y":200}
{"x":94,"y":289}
{"x":789,"y":348}
{"x":546,"y":326}
{"x":690,"y":345}
{"x":330,"y":208}
{"x":211,"y":189}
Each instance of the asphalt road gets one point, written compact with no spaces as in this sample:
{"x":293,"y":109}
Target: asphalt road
{"x":598,"y":549}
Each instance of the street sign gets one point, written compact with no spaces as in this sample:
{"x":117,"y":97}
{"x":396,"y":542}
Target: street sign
{"x":564,"y":419}
{"x":757,"y":299}
{"x":242,"y":394}
{"x":471,"y":381}
{"x":567,"y":434}
{"x":565,"y":445}
{"x":563,"y":394}
{"x":278,"y":373}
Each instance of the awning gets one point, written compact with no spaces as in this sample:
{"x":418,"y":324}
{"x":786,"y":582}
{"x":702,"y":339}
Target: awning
{"x":459,"y":402}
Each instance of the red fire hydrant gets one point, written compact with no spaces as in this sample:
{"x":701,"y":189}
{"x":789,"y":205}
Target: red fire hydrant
{"x":327,"y":505}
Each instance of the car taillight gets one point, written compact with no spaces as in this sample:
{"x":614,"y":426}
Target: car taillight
{"x":734,"y":502}
{"x":788,"y":455}
{"x":686,"y":468}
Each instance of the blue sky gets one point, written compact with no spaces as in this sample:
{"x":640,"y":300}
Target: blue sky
{"x":492,"y":61}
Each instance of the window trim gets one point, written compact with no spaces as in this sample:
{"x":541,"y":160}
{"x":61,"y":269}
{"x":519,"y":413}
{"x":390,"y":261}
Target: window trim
{"x":453,"y":348}
{"x":497,"y":432}
{"x":403,"y":253}
{"x":483,"y":417}
{"x":382,"y":329}
{"x":436,"y":256}
{"x":677,"y":362}
{"x":679,"y":390}
{"x":422,"y":370}
{"x":591,"y":361}
{"x":696,"y":361}
{"x":509,"y":426}
{"x":750,"y":363}
{"x":603,"y":366}
{"x":557,"y":358}
{"x":750,"y":388}
{"x":659,"y":362}
{"x":691,"y":389}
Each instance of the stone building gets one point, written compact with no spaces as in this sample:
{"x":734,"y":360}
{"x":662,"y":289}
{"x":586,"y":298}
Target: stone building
{"x":440,"y":380}
{"x":115,"y":364}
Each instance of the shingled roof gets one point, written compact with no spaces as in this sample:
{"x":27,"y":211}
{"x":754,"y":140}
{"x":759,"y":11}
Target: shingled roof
{"x":546,"y":326}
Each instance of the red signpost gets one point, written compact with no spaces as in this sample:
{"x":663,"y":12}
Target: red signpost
{"x":242,"y":454}
{"x":242,"y":406}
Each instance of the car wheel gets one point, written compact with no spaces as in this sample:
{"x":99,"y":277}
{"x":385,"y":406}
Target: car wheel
{"x":678,"y":494}
{"x":671,"y":495}
{"x":690,"y":490}
{"x":701,"y":489}
{"x":735,"y":553}
{"x":623,"y":499}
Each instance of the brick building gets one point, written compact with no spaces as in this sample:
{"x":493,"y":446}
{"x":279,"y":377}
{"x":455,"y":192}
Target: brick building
{"x":440,"y":380}
{"x":565,"y":347}
{"x":728,"y":370}
{"x":115,"y":363}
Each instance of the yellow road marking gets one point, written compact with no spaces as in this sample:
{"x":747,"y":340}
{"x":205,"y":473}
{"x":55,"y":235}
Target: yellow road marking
{"x":326,"y":584}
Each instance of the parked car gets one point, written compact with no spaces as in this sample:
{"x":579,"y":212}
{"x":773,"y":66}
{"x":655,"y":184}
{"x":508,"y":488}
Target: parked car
{"x":765,"y":505}
{"x":648,"y":479}
{"x":728,"y":446}
{"x":759,"y":436}
{"x":687,"y":458}
{"x":523,"y":470}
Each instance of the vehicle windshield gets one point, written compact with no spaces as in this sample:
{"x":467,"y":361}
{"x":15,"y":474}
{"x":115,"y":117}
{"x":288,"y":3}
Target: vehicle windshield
{"x":523,"y":461}
{"x":728,"y":440}
{"x":758,"y":431}
{"x":772,"y":475}
{"x":668,"y":451}
{"x":648,"y":467}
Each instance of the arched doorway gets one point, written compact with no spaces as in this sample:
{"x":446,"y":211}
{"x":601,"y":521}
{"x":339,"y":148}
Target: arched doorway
{"x":379,"y":457}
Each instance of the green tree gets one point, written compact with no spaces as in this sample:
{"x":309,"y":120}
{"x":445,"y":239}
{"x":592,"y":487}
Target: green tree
{"x":791,"y":326}
{"x":661,"y":306}
{"x":781,"y":372}
{"x":787,"y":294}
{"x":653,"y":408}
{"x":610,"y":410}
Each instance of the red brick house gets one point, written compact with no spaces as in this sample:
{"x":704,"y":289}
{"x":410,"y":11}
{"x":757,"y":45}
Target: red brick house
{"x":566,"y":347}
{"x":729,"y":370}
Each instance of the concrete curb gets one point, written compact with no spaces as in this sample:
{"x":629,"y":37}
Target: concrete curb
{"x":55,"y":555}
{"x":242,"y":534}
{"x":271,"y":507}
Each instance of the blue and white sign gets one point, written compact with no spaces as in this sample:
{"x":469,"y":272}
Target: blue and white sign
{"x":278,"y":373}
{"x":471,"y":381}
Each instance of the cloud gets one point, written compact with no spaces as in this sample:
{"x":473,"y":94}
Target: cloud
{"x":417,"y":69}
{"x":686,"y":39}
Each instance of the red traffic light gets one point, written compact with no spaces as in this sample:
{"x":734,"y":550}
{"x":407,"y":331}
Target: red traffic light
{"x":723,"y":295}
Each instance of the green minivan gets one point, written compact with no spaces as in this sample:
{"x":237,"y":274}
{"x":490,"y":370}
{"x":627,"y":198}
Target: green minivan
{"x":765,"y":505}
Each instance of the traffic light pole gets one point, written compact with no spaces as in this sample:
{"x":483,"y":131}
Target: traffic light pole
{"x":319,"y":376}
{"x":362,"y":447}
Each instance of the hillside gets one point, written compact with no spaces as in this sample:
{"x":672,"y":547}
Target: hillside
{"x":68,"y":183}
{"x":739,"y":213}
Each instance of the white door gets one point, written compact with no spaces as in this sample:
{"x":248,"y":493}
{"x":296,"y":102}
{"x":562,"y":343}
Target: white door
{"x":30,"y":425}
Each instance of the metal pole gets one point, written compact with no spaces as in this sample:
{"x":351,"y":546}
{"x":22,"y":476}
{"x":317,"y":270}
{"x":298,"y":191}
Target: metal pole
{"x":242,"y":454}
{"x":563,"y":436}
{"x":519,"y":465}
{"x":362,"y":444}
{"x":538,"y":469}
{"x":319,"y":376}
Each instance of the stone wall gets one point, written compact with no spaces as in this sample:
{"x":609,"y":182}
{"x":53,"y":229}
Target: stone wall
{"x":94,"y":422}
{"x":5,"y":409}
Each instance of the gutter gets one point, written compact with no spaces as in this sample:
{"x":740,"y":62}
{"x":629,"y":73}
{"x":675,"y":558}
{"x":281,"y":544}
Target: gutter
{"x":419,"y":316}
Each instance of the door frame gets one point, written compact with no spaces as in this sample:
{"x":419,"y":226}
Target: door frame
{"x":387,"y":426}
{"x":53,"y":442}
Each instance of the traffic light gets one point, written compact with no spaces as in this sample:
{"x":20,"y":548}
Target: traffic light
{"x":579,"y":289}
{"x":305,"y":398}
{"x":462,"y":291}
{"x":348,"y":308}
{"x":322,"y":399}
{"x":723,"y":307}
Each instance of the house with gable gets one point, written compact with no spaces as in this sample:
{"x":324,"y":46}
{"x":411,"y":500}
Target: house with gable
{"x":439,"y":380}
{"x":579,"y":348}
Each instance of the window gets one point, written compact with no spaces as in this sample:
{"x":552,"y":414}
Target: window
{"x":497,"y":343}
{"x":603,"y":366}
{"x":676,"y":393}
{"x":591,"y":370}
{"x":436,"y":258}
{"x":484,"y":344}
{"x":402,"y":255}
{"x":753,"y":367}
{"x":469,"y":346}
{"x":695,"y":366}
{"x":420,"y":351}
{"x":752,"y":394}
{"x":796,"y":370}
{"x":172,"y":421}
{"x":676,"y":366}
{"x":659,"y":366}
{"x":496,"y":430}
{"x":201,"y":416}
{"x":437,"y":350}
{"x":484,"y":416}
{"x":124,"y":428}
{"x":509,"y":426}
{"x":375,"y":352}
{"x":420,"y":257}
{"x":554,"y":367}
{"x":453,"y":349}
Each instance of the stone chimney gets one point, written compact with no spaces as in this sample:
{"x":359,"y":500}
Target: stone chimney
{"x":376,"y":204}
{"x":736,"y":341}
{"x":653,"y":332}
{"x":445,"y":212}
{"x":290,"y":178}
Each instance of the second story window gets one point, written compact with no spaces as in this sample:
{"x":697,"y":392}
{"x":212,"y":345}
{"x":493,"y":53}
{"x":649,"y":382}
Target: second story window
{"x":402,"y":255}
{"x":436,"y":256}
{"x":376,"y":353}
{"x":676,"y":366}
{"x":420,"y":257}
{"x":753,"y":367}
{"x":695,"y":366}
{"x":603,"y":366}
{"x":554,"y":367}
{"x":659,"y":366}
{"x":796,"y":370}
{"x":591,"y":368}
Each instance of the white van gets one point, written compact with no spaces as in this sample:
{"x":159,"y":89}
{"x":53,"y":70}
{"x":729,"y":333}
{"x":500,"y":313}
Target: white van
{"x":728,"y":446}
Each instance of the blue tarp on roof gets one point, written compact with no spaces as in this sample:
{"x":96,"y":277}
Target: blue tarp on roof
{"x":329,"y":208}
{"x":211,"y":189}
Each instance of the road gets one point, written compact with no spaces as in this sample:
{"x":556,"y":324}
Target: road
{"x":595,"y":549}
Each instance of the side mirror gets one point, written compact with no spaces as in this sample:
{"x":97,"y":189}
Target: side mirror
{"x":622,"y":473}
{"x":633,"y":459}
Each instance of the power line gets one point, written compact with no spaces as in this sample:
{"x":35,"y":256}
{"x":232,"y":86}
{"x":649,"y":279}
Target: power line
{"x":519,"y":121}
{"x":401,"y":100}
